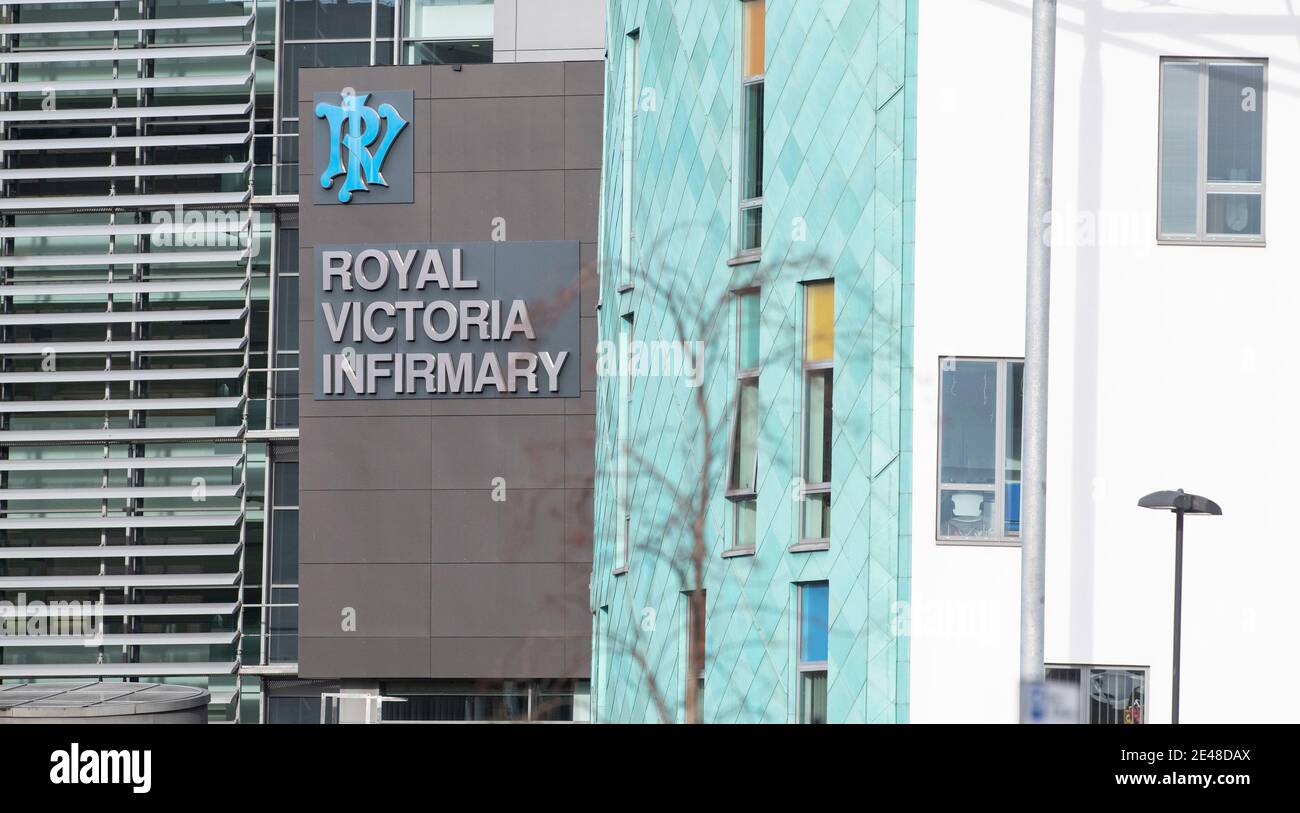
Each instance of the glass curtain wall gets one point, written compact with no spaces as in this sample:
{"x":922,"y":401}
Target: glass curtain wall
{"x":149,"y":347}
{"x":132,"y":267}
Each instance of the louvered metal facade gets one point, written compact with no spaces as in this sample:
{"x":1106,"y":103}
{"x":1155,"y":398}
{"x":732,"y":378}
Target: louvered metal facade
{"x":126,"y":315}
{"x":149,"y":320}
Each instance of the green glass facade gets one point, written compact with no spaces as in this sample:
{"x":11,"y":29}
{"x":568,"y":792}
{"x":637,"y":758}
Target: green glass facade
{"x":763,"y":482}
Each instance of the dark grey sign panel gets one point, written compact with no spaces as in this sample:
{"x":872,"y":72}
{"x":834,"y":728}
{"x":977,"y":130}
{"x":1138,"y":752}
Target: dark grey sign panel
{"x":363,"y":146}
{"x":447,"y":320}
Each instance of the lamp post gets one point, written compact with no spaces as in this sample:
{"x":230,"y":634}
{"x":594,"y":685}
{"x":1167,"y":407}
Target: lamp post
{"x":1181,"y":504}
{"x":1033,"y":513}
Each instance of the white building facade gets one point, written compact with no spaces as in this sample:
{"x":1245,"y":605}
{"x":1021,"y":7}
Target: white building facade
{"x":1173,"y":356}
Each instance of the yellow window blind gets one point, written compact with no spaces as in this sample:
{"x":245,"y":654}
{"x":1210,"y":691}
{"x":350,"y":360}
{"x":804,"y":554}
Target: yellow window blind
{"x":819,"y":321}
{"x":754,"y":21}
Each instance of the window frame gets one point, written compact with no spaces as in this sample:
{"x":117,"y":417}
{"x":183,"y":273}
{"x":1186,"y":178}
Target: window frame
{"x":622,"y":466}
{"x":748,"y":81}
{"x":808,"y":369}
{"x":406,"y":40}
{"x":1205,"y":187}
{"x":627,"y":163}
{"x":998,"y":487}
{"x":691,"y":628}
{"x":1086,"y":669}
{"x":803,"y":667}
{"x":746,"y":377}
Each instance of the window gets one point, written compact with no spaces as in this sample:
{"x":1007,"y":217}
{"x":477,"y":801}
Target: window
{"x":321,"y":19}
{"x":623,"y":498}
{"x":980,"y":404}
{"x":818,"y":403}
{"x":742,"y":478}
{"x":282,"y":626}
{"x":631,"y":92}
{"x":1212,"y":150}
{"x":1107,"y":695}
{"x":284,"y":372}
{"x":752,"y":35}
{"x":292,"y":710}
{"x":448,"y":32}
{"x":471,"y":706}
{"x":695,"y":637}
{"x":814,"y":634}
{"x":448,"y":53}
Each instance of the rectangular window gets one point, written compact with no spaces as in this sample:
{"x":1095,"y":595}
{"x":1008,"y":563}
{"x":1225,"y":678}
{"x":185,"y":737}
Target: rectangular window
{"x":742,"y":479}
{"x":282,"y":615}
{"x":695,"y":638}
{"x":599,"y":662}
{"x":1212,"y":150}
{"x":447,"y":32}
{"x":818,"y":410}
{"x":1108,"y":695}
{"x":752,"y":23}
{"x":980,"y":404}
{"x":631,"y":94}
{"x":814,"y":645}
{"x":320,"y":19}
{"x":283,"y":374}
{"x":448,"y":19}
{"x":458,"y":52}
{"x":622,"y":463}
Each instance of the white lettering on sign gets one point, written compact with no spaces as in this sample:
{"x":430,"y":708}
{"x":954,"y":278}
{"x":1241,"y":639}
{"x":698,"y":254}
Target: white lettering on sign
{"x":412,"y":322}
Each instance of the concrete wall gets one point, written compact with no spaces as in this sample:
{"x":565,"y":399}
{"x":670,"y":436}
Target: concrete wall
{"x":1171,"y":366}
{"x":396,"y":510}
{"x":548,"y":30}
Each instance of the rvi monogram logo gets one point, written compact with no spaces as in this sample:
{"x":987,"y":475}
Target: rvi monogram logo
{"x":367,"y":134}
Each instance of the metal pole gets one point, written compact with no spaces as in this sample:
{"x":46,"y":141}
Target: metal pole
{"x":1178,"y":607}
{"x":1037,"y":297}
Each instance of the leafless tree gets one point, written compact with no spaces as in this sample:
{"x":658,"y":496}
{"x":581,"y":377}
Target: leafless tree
{"x":681,"y":538}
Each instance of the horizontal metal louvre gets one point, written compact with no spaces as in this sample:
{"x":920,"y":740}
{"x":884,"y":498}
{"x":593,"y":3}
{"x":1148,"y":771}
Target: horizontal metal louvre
{"x":57,"y":2}
{"x":105,"y":159}
{"x":109,"y":202}
{"x":96,"y":202}
{"x":117,"y":551}
{"x":131,"y":83}
{"x":96,"y":113}
{"x":122,"y":639}
{"x":122,"y":404}
{"x":118,"y":669}
{"x":151,"y":580}
{"x":48,"y":523}
{"x":160,"y":229}
{"x":83,"y":436}
{"x":128,"y":610}
{"x":125,"y":258}
{"x":177,"y":140}
{"x":111,"y":493}
{"x":123,"y":346}
{"x":124,"y":171}
{"x":110,"y":463}
{"x":128,"y":25}
{"x":125,"y":54}
{"x":199,"y":374}
{"x":171,"y":286}
{"x":117,"y":317}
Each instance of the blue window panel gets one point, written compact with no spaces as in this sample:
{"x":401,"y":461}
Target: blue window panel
{"x":814,"y":621}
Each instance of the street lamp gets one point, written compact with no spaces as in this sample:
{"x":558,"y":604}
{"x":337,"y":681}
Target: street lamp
{"x":1181,"y":503}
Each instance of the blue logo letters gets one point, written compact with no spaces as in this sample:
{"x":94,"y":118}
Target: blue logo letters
{"x":363,"y":128}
